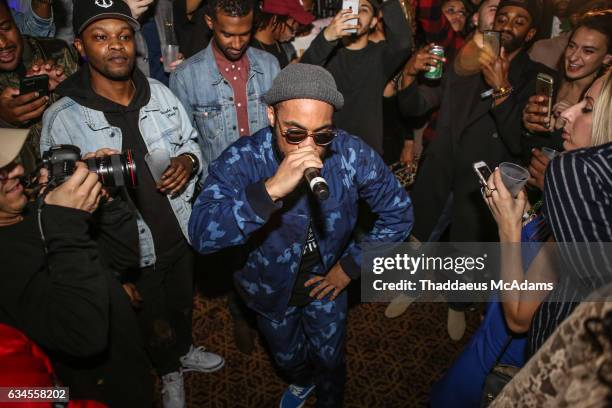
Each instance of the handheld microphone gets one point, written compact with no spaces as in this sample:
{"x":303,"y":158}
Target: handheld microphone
{"x":317,"y":184}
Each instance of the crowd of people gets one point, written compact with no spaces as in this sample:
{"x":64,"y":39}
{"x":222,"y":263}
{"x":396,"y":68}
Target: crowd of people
{"x":268,"y":149}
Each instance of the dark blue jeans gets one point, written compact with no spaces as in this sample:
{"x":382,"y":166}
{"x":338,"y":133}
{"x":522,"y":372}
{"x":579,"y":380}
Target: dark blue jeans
{"x":308,"y":346}
{"x":461,"y":386}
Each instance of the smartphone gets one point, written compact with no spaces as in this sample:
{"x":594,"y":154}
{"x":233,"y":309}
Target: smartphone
{"x":38,"y":83}
{"x":353,"y":5}
{"x":482,"y":171}
{"x":492,"y":41}
{"x":544,"y":87}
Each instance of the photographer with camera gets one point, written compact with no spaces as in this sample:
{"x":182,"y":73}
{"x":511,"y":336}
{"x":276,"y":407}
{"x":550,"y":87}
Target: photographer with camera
{"x":109,"y":103}
{"x":57,"y":282}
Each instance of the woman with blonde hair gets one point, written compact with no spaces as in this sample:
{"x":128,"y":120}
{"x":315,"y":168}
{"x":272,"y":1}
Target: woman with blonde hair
{"x":602,"y":117}
{"x":587,"y":124}
{"x":573,"y":366}
{"x":516,"y":324}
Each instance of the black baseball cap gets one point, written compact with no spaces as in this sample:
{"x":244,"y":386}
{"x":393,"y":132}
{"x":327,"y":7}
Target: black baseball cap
{"x":85,"y":12}
{"x":531,"y":6}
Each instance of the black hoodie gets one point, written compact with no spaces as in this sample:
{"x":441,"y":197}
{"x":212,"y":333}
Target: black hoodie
{"x":153,"y":205}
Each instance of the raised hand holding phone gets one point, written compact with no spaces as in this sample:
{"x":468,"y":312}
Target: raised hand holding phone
{"x":341,"y":25}
{"x":353,"y":6}
{"x":19,"y":109}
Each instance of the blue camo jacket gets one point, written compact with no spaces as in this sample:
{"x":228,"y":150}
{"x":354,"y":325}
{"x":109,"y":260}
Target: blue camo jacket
{"x":234,"y":209}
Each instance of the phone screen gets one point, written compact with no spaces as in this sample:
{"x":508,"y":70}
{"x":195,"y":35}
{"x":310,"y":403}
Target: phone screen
{"x":39,"y":83}
{"x":483,"y":171}
{"x":544,"y":87}
{"x":492,"y":41}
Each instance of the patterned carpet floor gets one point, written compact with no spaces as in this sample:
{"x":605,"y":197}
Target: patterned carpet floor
{"x":391,"y":362}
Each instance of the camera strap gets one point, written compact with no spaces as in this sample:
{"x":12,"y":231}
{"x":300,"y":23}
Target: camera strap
{"x":40,"y":203}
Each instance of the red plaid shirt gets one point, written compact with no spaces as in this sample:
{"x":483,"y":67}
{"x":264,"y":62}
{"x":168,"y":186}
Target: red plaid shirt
{"x":437,"y":30}
{"x":436,"y":27}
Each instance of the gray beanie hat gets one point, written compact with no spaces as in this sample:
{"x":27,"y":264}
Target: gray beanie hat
{"x":304,"y":81}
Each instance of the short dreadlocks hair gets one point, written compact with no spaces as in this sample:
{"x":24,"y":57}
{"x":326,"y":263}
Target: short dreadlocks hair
{"x":234,"y":8}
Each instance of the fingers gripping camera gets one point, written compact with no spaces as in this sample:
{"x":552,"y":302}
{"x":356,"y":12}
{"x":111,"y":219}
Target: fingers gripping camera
{"x":117,"y":170}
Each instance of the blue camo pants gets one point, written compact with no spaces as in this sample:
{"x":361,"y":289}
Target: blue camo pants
{"x":308,"y":346}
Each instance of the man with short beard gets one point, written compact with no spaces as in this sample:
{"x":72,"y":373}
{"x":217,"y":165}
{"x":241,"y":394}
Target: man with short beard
{"x":299,"y":252}
{"x":471,"y":128}
{"x":362,"y":68}
{"x":220,"y":88}
{"x":108,"y":106}
{"x":24,"y":56}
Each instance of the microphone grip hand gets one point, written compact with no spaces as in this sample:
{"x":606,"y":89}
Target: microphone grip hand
{"x":290,"y":172}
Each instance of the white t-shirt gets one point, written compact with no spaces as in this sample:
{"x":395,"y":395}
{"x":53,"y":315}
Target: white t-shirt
{"x":301,"y":44}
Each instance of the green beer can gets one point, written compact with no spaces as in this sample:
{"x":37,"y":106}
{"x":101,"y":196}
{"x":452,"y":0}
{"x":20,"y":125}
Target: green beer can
{"x":436,"y":72}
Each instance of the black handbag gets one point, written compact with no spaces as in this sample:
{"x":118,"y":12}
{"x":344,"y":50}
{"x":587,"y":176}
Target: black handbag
{"x":498,"y":377}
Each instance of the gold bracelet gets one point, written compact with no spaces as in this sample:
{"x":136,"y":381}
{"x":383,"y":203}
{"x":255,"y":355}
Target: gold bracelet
{"x":502,"y":92}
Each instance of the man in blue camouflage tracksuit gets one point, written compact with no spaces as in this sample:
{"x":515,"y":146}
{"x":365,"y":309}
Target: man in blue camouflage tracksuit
{"x":300,"y":254}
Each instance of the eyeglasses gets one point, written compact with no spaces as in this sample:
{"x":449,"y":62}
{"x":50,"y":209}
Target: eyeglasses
{"x":296,"y":136}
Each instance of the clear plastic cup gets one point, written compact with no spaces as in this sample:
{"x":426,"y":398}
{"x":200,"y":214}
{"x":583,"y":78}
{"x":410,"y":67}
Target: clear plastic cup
{"x":514,"y":177}
{"x":158,"y":161}
{"x":550,"y":153}
{"x":170,"y":54}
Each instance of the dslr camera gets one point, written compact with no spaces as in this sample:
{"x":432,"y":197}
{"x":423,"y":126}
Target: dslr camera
{"x":117,"y":170}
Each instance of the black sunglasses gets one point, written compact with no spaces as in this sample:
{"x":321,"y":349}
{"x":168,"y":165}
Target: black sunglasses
{"x":296,"y":135}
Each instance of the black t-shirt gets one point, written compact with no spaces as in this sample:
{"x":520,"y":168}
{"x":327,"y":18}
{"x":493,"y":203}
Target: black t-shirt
{"x":192,"y":35}
{"x":310,"y":258}
{"x":275,"y":49}
{"x":361,"y":78}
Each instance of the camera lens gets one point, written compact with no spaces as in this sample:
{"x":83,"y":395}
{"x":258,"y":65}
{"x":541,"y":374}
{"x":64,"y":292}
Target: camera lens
{"x":117,"y":170}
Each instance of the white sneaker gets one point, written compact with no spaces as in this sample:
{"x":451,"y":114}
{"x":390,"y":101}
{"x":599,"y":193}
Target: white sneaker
{"x":173,"y":390}
{"x":456,"y":324}
{"x":197,"y":359}
{"x":398,"y":306}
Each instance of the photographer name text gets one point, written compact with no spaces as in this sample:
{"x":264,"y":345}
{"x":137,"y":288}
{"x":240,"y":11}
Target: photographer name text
{"x":455,"y":285}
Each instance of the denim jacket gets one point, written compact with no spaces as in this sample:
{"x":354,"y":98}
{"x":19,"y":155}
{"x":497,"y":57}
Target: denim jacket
{"x":31,"y":24}
{"x":163,"y":123}
{"x":209,"y":99}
